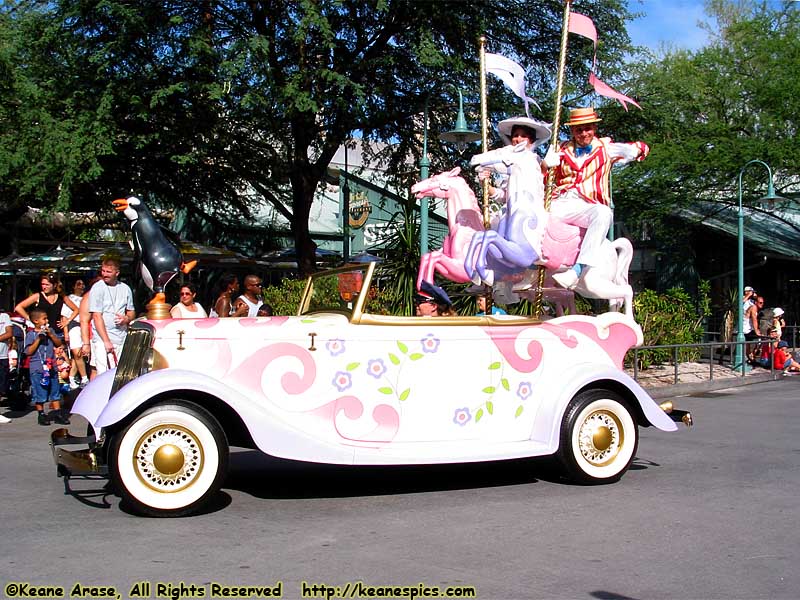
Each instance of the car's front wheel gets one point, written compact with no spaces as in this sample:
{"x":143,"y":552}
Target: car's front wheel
{"x":170,"y":460}
{"x":599,"y":437}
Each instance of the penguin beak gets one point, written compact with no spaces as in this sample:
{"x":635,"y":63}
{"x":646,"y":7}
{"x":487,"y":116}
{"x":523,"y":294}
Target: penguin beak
{"x":120,"y":204}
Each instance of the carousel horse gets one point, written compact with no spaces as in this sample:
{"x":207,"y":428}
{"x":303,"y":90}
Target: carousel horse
{"x":554,"y":243}
{"x":514,"y":243}
{"x":463,"y":219}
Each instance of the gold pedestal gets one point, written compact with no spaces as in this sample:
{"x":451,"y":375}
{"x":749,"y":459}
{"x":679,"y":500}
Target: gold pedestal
{"x":158,"y":309}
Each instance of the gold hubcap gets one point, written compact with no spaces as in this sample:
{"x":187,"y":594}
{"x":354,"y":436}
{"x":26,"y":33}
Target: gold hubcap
{"x":600,"y":438}
{"x":168,"y":458}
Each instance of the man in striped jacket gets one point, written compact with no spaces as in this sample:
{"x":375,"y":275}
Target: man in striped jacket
{"x":582,"y":196}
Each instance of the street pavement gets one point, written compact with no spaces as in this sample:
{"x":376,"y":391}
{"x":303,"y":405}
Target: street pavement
{"x":707,"y":512}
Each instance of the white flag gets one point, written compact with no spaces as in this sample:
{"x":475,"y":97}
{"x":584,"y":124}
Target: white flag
{"x":511,"y":74}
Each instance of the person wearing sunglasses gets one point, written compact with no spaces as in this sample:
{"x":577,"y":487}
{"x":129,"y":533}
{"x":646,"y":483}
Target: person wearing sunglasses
{"x":247,"y":304}
{"x":187,"y":308}
{"x":432,"y":301}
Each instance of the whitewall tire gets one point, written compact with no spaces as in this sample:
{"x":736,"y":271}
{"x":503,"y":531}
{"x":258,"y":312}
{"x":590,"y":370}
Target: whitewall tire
{"x":599,"y":437}
{"x":170,"y":460}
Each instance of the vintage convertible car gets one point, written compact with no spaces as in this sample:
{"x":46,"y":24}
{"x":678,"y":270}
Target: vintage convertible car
{"x":339,"y":384}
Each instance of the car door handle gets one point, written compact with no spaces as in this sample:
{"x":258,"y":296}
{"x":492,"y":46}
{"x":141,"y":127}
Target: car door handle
{"x":312,"y":347}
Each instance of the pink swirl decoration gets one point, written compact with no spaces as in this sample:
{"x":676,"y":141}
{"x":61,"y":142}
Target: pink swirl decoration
{"x":619,"y":339}
{"x":386,"y":418}
{"x":250,"y":371}
{"x":505,"y":339}
{"x":263,"y":321}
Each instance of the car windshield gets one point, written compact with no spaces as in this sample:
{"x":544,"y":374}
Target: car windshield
{"x":337,"y":290}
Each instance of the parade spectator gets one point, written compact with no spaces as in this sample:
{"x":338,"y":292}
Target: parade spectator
{"x":223,"y":305}
{"x":111,"y":308}
{"x":247,"y":304}
{"x":6,"y":339}
{"x":783,"y":359}
{"x":265,"y":310}
{"x":187,"y":308}
{"x":481,"y":301}
{"x":85,"y":321}
{"x":582,"y":194}
{"x":767,"y":349}
{"x":751,"y":327}
{"x":78,"y":376}
{"x":40,"y":343}
{"x":50,"y":299}
{"x":778,"y":322}
{"x":432,"y":301}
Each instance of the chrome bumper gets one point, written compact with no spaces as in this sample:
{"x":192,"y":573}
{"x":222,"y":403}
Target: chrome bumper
{"x":71,"y":463}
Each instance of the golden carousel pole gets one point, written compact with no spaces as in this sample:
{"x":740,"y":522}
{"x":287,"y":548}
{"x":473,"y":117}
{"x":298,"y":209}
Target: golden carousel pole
{"x":485,"y":148}
{"x":551,"y":173}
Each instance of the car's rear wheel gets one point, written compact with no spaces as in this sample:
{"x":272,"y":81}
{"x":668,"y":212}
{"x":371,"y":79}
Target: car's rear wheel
{"x":599,"y":437}
{"x":170,"y":460}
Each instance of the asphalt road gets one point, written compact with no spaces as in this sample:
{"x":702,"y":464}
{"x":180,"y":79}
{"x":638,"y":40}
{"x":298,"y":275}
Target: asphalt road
{"x":710,"y":512}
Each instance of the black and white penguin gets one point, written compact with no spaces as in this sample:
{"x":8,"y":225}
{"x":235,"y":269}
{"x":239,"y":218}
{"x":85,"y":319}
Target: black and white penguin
{"x":159,"y":257}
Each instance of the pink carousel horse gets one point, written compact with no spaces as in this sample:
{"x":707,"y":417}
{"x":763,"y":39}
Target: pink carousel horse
{"x":463,"y":218}
{"x":550,"y":242}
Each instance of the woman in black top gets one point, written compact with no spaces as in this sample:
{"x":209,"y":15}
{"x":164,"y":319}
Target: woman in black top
{"x":51,"y":300}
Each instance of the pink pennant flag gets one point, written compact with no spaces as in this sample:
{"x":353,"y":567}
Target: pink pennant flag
{"x":606,"y":90}
{"x":584,"y":26}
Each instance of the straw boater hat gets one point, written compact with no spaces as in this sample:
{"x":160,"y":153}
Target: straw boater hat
{"x":540,"y":128}
{"x":582,"y":116}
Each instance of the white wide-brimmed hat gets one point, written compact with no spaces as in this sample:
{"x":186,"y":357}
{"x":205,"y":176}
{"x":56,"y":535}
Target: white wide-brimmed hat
{"x":540,"y":128}
{"x":778,"y":312}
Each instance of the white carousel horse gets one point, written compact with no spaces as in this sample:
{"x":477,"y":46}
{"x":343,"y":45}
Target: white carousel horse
{"x":553,"y":242}
{"x":514,"y":243}
{"x":463,"y":219}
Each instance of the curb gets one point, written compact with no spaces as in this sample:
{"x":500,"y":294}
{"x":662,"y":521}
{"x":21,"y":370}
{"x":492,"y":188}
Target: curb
{"x":687,"y":389}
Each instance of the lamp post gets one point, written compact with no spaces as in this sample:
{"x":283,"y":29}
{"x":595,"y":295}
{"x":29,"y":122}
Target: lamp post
{"x":424,"y":163}
{"x":461,"y":135}
{"x":770,"y":197}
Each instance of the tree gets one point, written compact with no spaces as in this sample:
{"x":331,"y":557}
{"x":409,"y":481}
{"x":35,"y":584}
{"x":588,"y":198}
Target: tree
{"x":709,"y":112}
{"x":190,"y":103}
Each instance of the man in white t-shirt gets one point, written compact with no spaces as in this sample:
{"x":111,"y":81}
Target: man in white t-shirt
{"x":247,"y":304}
{"x":111,"y":309}
{"x":6,"y":333}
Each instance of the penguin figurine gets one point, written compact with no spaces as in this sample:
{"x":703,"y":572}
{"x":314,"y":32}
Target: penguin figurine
{"x":160,"y":258}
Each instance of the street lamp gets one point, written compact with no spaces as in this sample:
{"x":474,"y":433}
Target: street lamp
{"x":461,"y":136}
{"x":770,"y":197}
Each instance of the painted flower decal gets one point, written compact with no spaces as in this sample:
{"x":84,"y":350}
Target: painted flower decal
{"x":342,"y":380}
{"x":376,"y":368}
{"x":335,"y":347}
{"x":524,"y":390}
{"x":430,"y":344}
{"x":462,"y":416}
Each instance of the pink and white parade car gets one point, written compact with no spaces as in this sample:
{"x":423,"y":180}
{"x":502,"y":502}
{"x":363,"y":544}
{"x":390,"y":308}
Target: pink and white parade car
{"x":339,"y":384}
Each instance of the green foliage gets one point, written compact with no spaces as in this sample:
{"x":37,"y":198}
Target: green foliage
{"x":707,"y":113}
{"x":670,"y":318}
{"x":284,"y":298}
{"x":190,"y":103}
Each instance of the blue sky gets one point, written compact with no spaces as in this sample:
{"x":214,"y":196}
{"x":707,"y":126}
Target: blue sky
{"x":673,"y":22}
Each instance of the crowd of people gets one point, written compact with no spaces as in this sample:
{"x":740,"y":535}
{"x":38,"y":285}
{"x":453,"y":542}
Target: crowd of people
{"x":55,"y":342}
{"x":763,"y":329}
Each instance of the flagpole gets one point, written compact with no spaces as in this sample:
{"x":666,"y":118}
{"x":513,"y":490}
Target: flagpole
{"x":484,"y":127}
{"x":551,"y":173}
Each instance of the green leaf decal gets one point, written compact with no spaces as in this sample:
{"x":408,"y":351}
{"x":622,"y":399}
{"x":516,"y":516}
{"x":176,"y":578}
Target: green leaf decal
{"x":495,"y":365}
{"x":490,"y":408}
{"x":394,"y":359}
{"x":386,"y":390}
{"x":504,"y":383}
{"x":403,"y":347}
{"x":416,"y":355}
{"x":404,"y":395}
{"x":352,"y":366}
{"x":520,"y":408}
{"x":489,"y":390}
{"x":478,"y":415}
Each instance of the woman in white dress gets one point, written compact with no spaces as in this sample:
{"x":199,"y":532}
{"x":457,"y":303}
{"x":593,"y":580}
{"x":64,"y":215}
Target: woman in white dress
{"x":187,"y":308}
